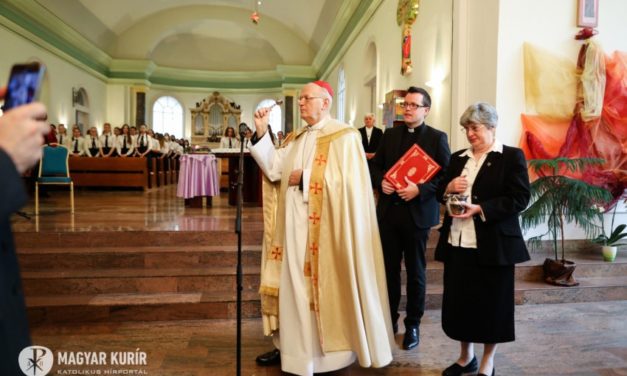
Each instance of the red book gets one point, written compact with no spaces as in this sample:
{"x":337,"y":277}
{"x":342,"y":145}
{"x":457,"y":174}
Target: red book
{"x":416,"y":165}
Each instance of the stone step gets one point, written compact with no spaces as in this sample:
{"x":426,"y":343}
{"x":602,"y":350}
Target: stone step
{"x":589,"y":264}
{"x":135,"y":257}
{"x":117,"y":238}
{"x":203,"y":269}
{"x":222,"y":304}
{"x":593,"y":289}
{"x":98,"y":281}
{"x":139,"y":307}
{"x":85,"y":239}
{"x":31,"y":259}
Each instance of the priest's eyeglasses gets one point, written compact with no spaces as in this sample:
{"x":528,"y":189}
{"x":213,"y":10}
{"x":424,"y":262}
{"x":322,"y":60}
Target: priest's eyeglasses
{"x":412,"y":106}
{"x":306,"y":98}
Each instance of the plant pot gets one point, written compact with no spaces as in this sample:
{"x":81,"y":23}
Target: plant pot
{"x":559,"y":272}
{"x":609,"y":253}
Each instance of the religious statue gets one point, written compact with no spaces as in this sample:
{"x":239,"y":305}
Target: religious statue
{"x":406,"y":14}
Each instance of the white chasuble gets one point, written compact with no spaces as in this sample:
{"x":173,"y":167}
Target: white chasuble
{"x":344,"y":313}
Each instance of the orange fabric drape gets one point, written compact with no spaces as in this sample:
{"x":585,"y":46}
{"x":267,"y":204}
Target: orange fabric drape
{"x":590,"y":130}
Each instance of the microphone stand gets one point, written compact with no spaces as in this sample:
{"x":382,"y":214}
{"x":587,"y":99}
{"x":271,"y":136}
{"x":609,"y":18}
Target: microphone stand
{"x":238,"y":230}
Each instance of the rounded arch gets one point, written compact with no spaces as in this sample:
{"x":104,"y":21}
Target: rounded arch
{"x":167,"y":116}
{"x":80,"y":102}
{"x":341,"y":94}
{"x":371,"y":70}
{"x":370,"y":60}
{"x":81,"y":98}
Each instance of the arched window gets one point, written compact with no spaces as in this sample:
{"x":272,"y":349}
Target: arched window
{"x":80,"y":101}
{"x":167,"y":116}
{"x":341,"y":95}
{"x":275,"y":121}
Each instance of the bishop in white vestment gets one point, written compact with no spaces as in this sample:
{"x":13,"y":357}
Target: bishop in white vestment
{"x":323,"y":278}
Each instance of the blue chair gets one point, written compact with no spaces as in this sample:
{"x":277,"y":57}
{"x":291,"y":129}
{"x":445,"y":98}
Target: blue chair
{"x":54,"y":170}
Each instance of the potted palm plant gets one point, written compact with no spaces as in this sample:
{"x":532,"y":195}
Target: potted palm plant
{"x":611,"y":242}
{"x":557,"y":199}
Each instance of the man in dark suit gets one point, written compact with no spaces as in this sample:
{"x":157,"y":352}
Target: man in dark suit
{"x":21,"y":136}
{"x":370,"y":136}
{"x":406,"y":215}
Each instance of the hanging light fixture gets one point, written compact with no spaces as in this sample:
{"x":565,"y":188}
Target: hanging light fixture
{"x":255,"y":16}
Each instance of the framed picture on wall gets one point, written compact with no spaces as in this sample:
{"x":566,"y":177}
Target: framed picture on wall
{"x":588,"y":13}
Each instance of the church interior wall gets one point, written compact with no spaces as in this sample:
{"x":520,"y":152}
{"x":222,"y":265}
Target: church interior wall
{"x":430,"y":53}
{"x":61,"y":78}
{"x":552,"y":27}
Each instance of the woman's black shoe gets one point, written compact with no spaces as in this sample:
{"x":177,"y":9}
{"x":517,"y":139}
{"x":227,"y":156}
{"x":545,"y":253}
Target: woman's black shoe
{"x":270,"y":358}
{"x":457,"y":370}
{"x":493,"y":373}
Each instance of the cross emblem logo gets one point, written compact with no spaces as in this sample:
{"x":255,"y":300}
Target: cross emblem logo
{"x":321,"y":160}
{"x":314,"y":218}
{"x":314,"y":249}
{"x":276,"y":253}
{"x":315,"y":188}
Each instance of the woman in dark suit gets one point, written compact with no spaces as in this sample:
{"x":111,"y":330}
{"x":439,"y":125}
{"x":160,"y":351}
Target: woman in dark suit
{"x":480,"y":247}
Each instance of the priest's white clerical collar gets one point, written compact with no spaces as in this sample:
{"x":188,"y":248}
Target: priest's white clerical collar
{"x":412,"y":130}
{"x":319,"y":125}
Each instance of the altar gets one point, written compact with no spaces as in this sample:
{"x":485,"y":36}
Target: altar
{"x":198,"y":178}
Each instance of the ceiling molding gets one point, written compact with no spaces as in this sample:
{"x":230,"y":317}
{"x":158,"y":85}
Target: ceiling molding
{"x":67,"y":44}
{"x":346,"y":11}
{"x":334,"y":51}
{"x":296,"y":71}
{"x":38,"y":25}
{"x":144,"y":70}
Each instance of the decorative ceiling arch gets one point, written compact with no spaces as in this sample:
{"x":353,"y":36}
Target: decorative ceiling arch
{"x":145,"y":36}
{"x":295,"y":42}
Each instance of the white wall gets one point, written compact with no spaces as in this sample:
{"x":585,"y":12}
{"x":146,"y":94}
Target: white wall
{"x":552,"y":26}
{"x":431,"y":51}
{"x":474,"y":65}
{"x":118,"y":105}
{"x":61,"y":78}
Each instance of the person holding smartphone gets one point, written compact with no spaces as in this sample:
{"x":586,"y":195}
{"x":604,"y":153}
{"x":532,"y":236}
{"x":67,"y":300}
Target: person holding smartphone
{"x":22,"y":131}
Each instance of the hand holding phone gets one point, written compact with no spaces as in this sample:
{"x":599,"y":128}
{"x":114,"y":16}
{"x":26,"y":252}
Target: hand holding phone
{"x":22,"y":129}
{"x":24,"y":84}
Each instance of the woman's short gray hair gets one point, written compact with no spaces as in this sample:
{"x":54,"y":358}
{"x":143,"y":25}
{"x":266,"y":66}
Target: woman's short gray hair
{"x":480,"y":113}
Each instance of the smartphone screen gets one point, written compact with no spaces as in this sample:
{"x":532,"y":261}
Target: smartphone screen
{"x":24,"y":84}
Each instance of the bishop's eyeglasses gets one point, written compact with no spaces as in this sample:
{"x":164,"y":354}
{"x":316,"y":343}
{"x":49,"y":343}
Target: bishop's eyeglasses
{"x":306,"y":98}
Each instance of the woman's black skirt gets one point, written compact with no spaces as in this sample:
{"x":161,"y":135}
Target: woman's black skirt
{"x":478,"y":302}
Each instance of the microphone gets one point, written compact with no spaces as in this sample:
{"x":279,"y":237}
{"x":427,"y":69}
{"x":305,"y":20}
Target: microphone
{"x":242,"y":129}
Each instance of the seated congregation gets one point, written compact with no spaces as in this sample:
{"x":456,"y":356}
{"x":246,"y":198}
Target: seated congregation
{"x":120,"y":157}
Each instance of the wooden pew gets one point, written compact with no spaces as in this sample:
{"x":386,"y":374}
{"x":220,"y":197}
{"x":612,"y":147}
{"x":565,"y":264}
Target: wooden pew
{"x":109,"y":172}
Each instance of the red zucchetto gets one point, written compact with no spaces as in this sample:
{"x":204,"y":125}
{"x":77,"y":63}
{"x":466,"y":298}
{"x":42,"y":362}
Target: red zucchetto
{"x":325,"y":85}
